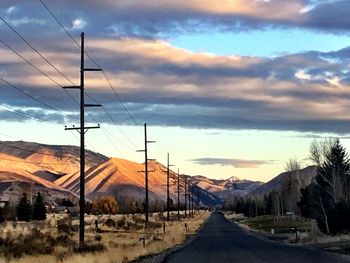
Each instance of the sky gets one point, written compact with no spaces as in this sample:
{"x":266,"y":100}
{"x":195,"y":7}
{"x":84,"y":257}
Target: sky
{"x":228,"y":88}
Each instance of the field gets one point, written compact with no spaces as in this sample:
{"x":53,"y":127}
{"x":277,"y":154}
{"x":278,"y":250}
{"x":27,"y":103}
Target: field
{"x":279,"y":225}
{"x":118,"y":238}
{"x":308,"y":233}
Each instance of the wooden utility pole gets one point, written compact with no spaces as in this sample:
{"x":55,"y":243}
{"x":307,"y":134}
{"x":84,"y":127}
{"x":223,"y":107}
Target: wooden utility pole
{"x":168,"y":190}
{"x":185,"y":196}
{"x":146,"y":171}
{"x":192,"y":202}
{"x":189,"y":199}
{"x":178,"y":194}
{"x":82,"y":130}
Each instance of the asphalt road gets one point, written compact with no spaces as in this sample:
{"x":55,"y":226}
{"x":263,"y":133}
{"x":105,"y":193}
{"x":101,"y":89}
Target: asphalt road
{"x":222,"y":241}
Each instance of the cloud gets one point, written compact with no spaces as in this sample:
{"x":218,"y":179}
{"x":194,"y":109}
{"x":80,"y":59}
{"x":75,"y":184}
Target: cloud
{"x":167,"y":86}
{"x":154,"y":19}
{"x":236,"y":163}
{"x":11,"y":9}
{"x":79,"y":24}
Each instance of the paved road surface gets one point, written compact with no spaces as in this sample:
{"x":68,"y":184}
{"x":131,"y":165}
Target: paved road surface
{"x":221,"y":241}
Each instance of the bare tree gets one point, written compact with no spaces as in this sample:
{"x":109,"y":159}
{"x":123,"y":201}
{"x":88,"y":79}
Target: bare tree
{"x":320,"y":148}
{"x":316,"y":152}
{"x":323,"y":211}
{"x":292,"y":165}
{"x":292,"y":185}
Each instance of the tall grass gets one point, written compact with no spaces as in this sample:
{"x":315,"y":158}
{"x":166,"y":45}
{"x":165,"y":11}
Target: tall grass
{"x":119,"y":242}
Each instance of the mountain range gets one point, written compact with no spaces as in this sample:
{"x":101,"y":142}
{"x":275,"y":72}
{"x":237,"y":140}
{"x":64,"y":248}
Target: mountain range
{"x":54,"y":170}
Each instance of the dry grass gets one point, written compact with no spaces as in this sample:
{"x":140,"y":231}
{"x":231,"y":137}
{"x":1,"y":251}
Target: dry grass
{"x":123,"y":242}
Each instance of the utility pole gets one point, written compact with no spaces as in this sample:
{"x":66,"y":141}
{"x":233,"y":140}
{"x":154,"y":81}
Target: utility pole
{"x":189,"y":199}
{"x":178,"y":194}
{"x":167,"y":189}
{"x":146,"y":171}
{"x":185,"y":196}
{"x":192,"y":201}
{"x":82,"y":130}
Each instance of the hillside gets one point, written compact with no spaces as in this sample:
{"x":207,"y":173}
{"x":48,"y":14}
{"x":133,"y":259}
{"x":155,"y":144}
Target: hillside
{"x":51,"y":161}
{"x":31,"y":167}
{"x":122,"y":178}
{"x":116,"y":176}
{"x":275,"y":184}
{"x":21,"y":179}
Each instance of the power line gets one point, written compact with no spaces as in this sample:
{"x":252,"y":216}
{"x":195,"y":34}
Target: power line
{"x":22,"y":114}
{"x":56,"y":19}
{"x":110,"y":117}
{"x":39,"y":70}
{"x":36,"y":68}
{"x":45,"y":59}
{"x":96,"y":64}
{"x":93,"y":61}
{"x":27,"y":94}
{"x":35,"y":50}
{"x":32,"y":97}
{"x":115,"y":147}
{"x":24,"y":161}
{"x":43,"y":73}
{"x":119,"y":98}
{"x":26,"y":150}
{"x":30,"y":63}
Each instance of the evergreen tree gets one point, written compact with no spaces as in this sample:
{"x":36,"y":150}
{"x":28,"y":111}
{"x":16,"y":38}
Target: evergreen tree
{"x":323,"y":199}
{"x":39,"y":209}
{"x":333,"y":175}
{"x":24,"y":209}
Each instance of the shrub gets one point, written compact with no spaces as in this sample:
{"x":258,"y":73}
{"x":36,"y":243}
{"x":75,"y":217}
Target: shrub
{"x":154,"y":225}
{"x":65,"y":240}
{"x":121,"y":222}
{"x":90,"y":247}
{"x":34,"y":243}
{"x":64,"y":226}
{"x":110,"y":222}
{"x":98,"y":238}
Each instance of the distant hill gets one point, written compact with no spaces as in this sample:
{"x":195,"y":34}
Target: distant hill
{"x":276,"y":184}
{"x":226,"y":188}
{"x":31,"y":167}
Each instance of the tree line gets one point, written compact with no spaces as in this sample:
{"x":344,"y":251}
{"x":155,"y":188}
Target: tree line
{"x":326,"y":198}
{"x":24,"y":210}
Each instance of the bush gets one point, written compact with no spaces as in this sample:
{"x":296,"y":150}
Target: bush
{"x":64,"y":226}
{"x":98,"y":238}
{"x":65,"y":240}
{"x":35,"y":243}
{"x":154,"y":225}
{"x":110,"y":222}
{"x":121,"y":222}
{"x":90,"y":247}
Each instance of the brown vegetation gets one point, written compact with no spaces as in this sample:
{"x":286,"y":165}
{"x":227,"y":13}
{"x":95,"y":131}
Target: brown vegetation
{"x":118,"y":238}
